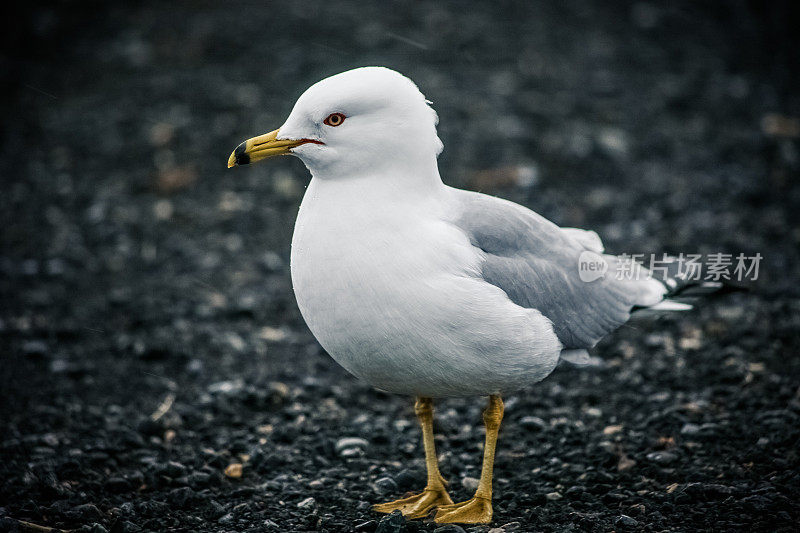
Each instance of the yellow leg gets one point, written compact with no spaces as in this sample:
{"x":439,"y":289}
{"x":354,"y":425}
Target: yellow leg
{"x":434,"y":493}
{"x":478,"y":509}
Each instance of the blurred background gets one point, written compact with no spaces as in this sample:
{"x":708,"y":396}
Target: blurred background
{"x":149,"y":335}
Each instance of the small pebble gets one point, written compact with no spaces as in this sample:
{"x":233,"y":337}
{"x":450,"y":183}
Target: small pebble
{"x":35,"y":348}
{"x":625,"y":522}
{"x":662,"y":458}
{"x":392,"y":523}
{"x":307,"y":503}
{"x":470,"y":483}
{"x":349,"y":446}
{"x":690,"y":429}
{"x":234,"y":470}
{"x":450,"y":528}
{"x":532,"y":422}
{"x":385,"y":485}
{"x":369,"y":526}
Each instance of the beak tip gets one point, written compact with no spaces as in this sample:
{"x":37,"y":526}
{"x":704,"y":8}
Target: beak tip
{"x":260,"y":147}
{"x":239,"y":156}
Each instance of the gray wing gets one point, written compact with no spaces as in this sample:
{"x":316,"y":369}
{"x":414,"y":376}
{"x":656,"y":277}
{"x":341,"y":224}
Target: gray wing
{"x":536,"y":263}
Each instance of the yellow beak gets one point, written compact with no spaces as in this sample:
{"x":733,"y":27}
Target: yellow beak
{"x":263,"y":147}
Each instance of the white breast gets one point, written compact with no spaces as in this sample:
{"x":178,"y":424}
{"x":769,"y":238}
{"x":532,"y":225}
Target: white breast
{"x":393,"y":292}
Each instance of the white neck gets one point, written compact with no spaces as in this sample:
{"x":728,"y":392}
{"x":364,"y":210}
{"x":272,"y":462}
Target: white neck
{"x":408,"y":178}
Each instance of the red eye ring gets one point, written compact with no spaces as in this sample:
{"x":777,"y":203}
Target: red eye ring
{"x":334,"y":119}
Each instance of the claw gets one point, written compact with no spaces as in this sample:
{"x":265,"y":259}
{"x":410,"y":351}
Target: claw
{"x":477,"y":510}
{"x":418,"y":505}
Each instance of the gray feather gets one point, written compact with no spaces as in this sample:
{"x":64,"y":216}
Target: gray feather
{"x":536,"y":263}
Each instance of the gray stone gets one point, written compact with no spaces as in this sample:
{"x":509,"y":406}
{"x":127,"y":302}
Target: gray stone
{"x":385,"y":485}
{"x":625,"y":522}
{"x":346,"y":444}
{"x":662,"y":458}
{"x":532,"y":422}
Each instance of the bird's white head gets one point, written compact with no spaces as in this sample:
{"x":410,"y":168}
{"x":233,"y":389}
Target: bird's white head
{"x":366,"y":121}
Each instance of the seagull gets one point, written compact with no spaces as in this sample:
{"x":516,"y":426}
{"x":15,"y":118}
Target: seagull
{"x":426,"y":290}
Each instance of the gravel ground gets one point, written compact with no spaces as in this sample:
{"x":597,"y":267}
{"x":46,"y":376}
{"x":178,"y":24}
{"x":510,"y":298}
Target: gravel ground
{"x":150,"y":338}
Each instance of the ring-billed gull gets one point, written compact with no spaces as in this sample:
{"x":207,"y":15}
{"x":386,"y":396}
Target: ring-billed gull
{"x":427,"y":290}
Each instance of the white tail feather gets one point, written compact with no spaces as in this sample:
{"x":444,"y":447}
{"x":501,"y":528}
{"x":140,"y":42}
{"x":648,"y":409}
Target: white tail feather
{"x":669,"y":305}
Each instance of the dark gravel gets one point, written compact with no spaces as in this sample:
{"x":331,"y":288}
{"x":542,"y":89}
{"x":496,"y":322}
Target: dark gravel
{"x":151,"y":342}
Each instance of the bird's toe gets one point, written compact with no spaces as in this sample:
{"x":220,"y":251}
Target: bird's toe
{"x":416,"y":506}
{"x":477,"y":510}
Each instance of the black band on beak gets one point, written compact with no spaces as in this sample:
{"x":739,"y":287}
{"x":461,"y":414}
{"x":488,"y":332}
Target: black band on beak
{"x":242,"y":158}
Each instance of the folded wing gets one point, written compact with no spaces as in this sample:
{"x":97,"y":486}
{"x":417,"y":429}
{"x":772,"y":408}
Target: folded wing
{"x":536,"y":263}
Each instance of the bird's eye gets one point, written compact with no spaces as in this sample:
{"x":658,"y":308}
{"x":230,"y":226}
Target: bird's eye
{"x":334,"y":119}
